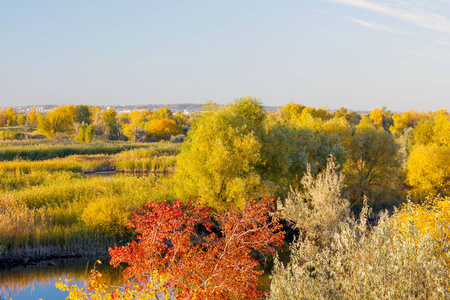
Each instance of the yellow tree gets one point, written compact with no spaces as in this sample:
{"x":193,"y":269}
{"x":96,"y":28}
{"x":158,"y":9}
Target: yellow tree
{"x":20,"y":119}
{"x":59,"y":120}
{"x":441,"y":130}
{"x":381,"y":118}
{"x":423,"y":133}
{"x":340,"y":127}
{"x":2,"y":118}
{"x":428,"y":169}
{"x":404,"y":120}
{"x":10,"y":115}
{"x":97,"y":120}
{"x":163,"y":128}
{"x":163,"y":113}
{"x":292,"y":111}
{"x":32,"y":117}
{"x":135,"y":127}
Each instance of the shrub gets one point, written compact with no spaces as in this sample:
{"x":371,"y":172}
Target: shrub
{"x":177,"y":138}
{"x":318,"y":210}
{"x":366,"y":263}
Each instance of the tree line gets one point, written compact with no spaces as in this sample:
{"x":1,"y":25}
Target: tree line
{"x":84,"y":122}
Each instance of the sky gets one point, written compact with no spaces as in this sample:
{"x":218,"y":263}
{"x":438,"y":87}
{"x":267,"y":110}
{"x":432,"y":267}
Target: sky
{"x":359,"y":54}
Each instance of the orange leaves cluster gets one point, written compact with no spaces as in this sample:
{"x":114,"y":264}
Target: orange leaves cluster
{"x":198,"y":263}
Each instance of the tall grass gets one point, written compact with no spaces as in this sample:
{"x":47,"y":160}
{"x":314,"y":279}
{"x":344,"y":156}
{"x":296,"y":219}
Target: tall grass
{"x":73,"y":163}
{"x":72,"y":213}
{"x":47,"y":205}
{"x":48,"y":151}
{"x":153,"y":158}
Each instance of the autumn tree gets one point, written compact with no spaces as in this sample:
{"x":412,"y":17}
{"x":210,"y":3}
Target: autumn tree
{"x":163,"y":113}
{"x":341,"y":128}
{"x":109,"y":117}
{"x":97,"y":120}
{"x":85,"y":133}
{"x":20,"y":119}
{"x":10,"y":115}
{"x":292,"y":111}
{"x":351,"y":116}
{"x":381,"y":118}
{"x":180,"y":118}
{"x":403,"y":120}
{"x":441,"y":130}
{"x":423,"y":133}
{"x":373,"y":166}
{"x":180,"y":252}
{"x":32,"y":117}
{"x":135,"y":128}
{"x":2,"y":118}
{"x":163,"y":128}
{"x":221,"y":155}
{"x":59,"y":120}
{"x":197,"y":263}
{"x":428,"y":169}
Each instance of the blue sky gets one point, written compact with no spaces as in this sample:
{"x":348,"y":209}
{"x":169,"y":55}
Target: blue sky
{"x":360,"y":54}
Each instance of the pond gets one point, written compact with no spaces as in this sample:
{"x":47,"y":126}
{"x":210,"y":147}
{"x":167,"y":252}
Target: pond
{"x":37,"y":281}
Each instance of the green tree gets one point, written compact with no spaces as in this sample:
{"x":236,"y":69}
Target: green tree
{"x":97,"y":120}
{"x":20,"y":119}
{"x":220,"y":158}
{"x":82,"y":114}
{"x":373,"y":166}
{"x":285,"y":155}
{"x":109,"y":117}
{"x":85,"y":133}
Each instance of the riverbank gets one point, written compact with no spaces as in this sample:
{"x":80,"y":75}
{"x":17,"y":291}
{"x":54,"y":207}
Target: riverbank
{"x":34,"y":255}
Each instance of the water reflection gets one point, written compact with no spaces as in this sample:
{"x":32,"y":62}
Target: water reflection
{"x":38,"y":281}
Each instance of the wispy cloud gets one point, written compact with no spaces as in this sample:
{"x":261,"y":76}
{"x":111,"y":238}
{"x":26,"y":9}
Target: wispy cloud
{"x":419,"y":17}
{"x":377,"y":26}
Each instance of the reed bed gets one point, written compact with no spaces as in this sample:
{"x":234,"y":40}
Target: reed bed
{"x":44,"y":151}
{"x":159,"y":157}
{"x":73,"y":163}
{"x":72,"y":213}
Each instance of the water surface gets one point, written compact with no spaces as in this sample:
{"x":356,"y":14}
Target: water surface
{"x":35,"y":282}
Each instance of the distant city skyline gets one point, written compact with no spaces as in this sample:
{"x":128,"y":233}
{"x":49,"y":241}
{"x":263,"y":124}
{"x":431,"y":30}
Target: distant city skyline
{"x":360,"y":54}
